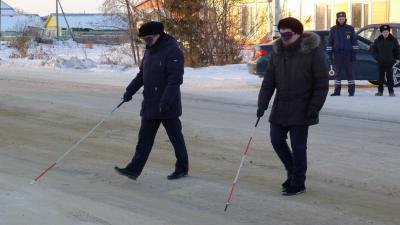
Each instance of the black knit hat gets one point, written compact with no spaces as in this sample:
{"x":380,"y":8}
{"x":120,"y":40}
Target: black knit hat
{"x":151,"y":28}
{"x":291,"y":23}
{"x":340,"y":14}
{"x":384,"y":27}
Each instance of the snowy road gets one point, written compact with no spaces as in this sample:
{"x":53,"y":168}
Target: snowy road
{"x":354,"y":154}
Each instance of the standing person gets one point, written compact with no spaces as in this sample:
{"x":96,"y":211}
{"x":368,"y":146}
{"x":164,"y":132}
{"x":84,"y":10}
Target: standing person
{"x":342,"y":49}
{"x":161,"y":74}
{"x":386,"y":51}
{"x":298,"y":72}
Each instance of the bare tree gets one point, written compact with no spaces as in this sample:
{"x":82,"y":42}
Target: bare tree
{"x":125,"y":10}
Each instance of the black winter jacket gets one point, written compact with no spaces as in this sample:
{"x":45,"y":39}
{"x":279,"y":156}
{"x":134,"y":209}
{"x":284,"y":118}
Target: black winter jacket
{"x":299,"y":74}
{"x":161,"y":74}
{"x":386,"y":51}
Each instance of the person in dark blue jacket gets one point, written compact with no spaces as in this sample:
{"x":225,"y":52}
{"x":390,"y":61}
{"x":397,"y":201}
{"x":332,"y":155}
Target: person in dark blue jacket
{"x":342,"y":49}
{"x":161,"y":74}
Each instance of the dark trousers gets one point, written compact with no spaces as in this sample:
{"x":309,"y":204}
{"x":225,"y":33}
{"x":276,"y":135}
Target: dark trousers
{"x":385,"y":71}
{"x":147,"y":133}
{"x":295,"y":160}
{"x":344,"y":65}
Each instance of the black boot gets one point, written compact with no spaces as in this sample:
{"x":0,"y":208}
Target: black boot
{"x":126,"y":172}
{"x":335,"y":94}
{"x":285,"y":185}
{"x":177,"y":175}
{"x":294,"y":190}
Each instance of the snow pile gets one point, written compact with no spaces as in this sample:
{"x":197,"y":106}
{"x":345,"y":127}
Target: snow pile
{"x":71,"y":63}
{"x":118,"y":55}
{"x":70,"y":55}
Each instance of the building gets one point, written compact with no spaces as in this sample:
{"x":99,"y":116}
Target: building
{"x":6,"y":9}
{"x":81,"y":23}
{"x":256,"y":16}
{"x":13,"y":25}
{"x":88,"y":28}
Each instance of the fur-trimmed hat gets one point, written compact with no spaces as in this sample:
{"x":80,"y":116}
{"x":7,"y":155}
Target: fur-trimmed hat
{"x":151,"y":28}
{"x":384,"y":27}
{"x":291,"y":23}
{"x":340,"y":14}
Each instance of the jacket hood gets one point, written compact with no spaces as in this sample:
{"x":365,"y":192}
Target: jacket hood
{"x":309,"y":42}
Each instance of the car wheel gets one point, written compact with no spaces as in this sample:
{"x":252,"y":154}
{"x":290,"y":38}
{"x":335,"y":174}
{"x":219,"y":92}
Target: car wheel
{"x":374,"y":82}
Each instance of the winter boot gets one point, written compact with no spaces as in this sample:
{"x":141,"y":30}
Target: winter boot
{"x":379,"y":94}
{"x":294,"y":190}
{"x":335,"y":94}
{"x":392,"y":94}
{"x":126,"y":172}
{"x":285,"y":185}
{"x":177,"y":175}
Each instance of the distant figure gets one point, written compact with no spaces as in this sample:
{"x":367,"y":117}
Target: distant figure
{"x":161,"y":74}
{"x":342,"y":50}
{"x":386,"y":51}
{"x":298,"y":72}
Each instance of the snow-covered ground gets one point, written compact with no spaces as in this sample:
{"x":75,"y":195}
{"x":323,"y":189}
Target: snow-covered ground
{"x":48,"y":103}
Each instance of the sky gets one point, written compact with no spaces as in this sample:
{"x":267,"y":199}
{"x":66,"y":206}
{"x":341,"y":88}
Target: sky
{"x":45,"y":7}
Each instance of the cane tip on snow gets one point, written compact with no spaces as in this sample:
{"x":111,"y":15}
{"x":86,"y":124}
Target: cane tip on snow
{"x":32,"y":182}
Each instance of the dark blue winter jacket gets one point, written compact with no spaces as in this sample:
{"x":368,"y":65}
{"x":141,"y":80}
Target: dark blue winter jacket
{"x":342,"y":39}
{"x":161,"y":74}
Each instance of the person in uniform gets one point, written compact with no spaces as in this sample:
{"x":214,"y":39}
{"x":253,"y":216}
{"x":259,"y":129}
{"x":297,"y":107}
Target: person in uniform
{"x":342,"y":49}
{"x":386,"y":51}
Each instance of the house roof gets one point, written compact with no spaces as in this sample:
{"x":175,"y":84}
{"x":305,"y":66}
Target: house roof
{"x":95,"y":21}
{"x":18,"y":22}
{"x":148,"y":4}
{"x":6,"y":9}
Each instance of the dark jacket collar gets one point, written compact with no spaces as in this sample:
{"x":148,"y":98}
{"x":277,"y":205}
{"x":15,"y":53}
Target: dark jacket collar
{"x":390,"y":37}
{"x":160,"y":43}
{"x":308,"y":42}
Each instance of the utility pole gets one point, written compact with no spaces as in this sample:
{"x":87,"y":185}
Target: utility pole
{"x":1,"y":9}
{"x":277,"y":17}
{"x":58,"y":28}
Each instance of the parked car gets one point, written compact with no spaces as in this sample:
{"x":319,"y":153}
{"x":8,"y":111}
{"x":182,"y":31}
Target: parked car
{"x":365,"y":67}
{"x":371,"y":32}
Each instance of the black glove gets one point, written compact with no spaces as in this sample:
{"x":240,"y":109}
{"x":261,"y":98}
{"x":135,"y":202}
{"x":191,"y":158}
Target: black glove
{"x":353,"y":58}
{"x":127,"y":96}
{"x":164,"y":107}
{"x":312,"y":114}
{"x":260,"y":112}
{"x":330,"y":59}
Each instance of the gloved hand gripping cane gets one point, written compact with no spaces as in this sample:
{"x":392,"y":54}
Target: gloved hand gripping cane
{"x":245,"y":151}
{"x":73,"y":147}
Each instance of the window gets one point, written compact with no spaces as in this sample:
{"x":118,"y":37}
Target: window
{"x":360,"y":14}
{"x":320,"y":16}
{"x":396,"y":33}
{"x":363,"y":45}
{"x":367,"y":34}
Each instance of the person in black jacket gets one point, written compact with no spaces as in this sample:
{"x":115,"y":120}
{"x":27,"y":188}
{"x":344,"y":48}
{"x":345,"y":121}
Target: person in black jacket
{"x":386,"y":51}
{"x":161,"y":74}
{"x":298,"y":73}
